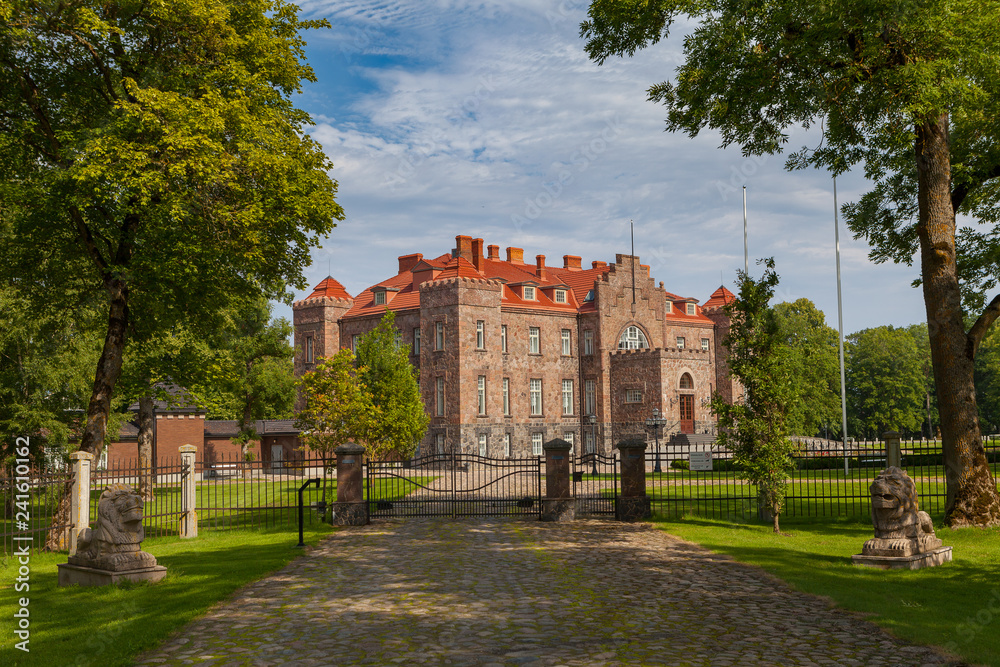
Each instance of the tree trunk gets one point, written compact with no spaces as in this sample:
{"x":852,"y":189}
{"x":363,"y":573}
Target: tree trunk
{"x":109,"y":367}
{"x":972,"y":497}
{"x":146,"y":422}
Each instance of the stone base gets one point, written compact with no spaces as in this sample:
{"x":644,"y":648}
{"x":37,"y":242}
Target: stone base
{"x":558,"y":509}
{"x":350,"y":514}
{"x":634,"y":509}
{"x":914,"y":562}
{"x":77,"y":575}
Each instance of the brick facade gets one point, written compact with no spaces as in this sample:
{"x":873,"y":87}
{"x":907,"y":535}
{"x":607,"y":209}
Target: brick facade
{"x":471,"y":297}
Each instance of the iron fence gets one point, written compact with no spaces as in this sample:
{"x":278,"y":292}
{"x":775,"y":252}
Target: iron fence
{"x":161,"y":511}
{"x":29,"y":505}
{"x":595,"y":485}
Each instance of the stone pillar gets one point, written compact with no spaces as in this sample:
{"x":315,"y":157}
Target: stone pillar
{"x":189,"y":506}
{"x":79,"y":505}
{"x":350,"y":508}
{"x":633,"y":504}
{"x":893,"y":456}
{"x":557,"y":504}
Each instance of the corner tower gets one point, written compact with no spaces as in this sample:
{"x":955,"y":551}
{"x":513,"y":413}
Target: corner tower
{"x":316,"y":319}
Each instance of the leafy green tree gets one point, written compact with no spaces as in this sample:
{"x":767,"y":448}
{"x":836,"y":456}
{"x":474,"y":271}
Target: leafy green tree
{"x":754,"y":429}
{"x":922,"y":338}
{"x":392,"y":381}
{"x":813,"y":360}
{"x":988,"y":382}
{"x":885,"y":381}
{"x":911,"y":90}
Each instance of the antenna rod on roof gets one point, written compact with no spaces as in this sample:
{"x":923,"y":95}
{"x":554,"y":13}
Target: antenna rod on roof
{"x":746,"y":251}
{"x":632,"y":232}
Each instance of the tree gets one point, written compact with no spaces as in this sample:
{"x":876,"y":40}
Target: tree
{"x":163,"y":158}
{"x":923,"y":341}
{"x":392,"y":381}
{"x":988,"y":381}
{"x":754,"y":429}
{"x":813,"y":360}
{"x":885,"y":381}
{"x":911,"y":91}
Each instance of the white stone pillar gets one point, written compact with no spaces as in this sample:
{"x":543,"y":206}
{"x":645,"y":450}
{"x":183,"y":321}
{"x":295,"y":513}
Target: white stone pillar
{"x":189,"y":516}
{"x":79,"y":508}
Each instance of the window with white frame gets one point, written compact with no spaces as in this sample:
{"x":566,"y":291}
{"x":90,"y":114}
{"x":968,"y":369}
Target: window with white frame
{"x":588,"y":441}
{"x":560,"y":295}
{"x":567,"y":397}
{"x":692,"y":309}
{"x":567,"y":342}
{"x":704,"y":344}
{"x":588,"y":342}
{"x":670,"y":307}
{"x":590,"y":397}
{"x":536,"y":444}
{"x":633,"y":395}
{"x":439,"y":398}
{"x":380,"y":298}
{"x":439,"y":335}
{"x":481,"y":394}
{"x":506,"y":397}
{"x":309,"y":349}
{"x":570,"y":437}
{"x":534,"y":340}
{"x":680,"y":342}
{"x":480,"y":334}
{"x":529,"y":293}
{"x":439,"y":443}
{"x":506,"y":445}
{"x":503,"y":337}
{"x":633,"y":339}
{"x":482,"y":444}
{"x":397,"y":338}
{"x":355,"y":339}
{"x":535,"y":396}
{"x":416,"y":341}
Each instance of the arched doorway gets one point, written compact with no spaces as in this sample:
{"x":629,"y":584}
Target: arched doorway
{"x":686,"y":403}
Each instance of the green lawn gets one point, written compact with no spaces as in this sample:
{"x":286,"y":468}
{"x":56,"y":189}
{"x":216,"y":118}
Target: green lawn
{"x":955,"y":605}
{"x":110,"y":625}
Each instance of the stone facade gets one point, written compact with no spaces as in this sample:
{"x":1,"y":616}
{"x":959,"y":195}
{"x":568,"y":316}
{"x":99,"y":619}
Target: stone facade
{"x":474,"y":325}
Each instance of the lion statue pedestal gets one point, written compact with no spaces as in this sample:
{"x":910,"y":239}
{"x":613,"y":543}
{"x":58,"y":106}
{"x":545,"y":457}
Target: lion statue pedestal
{"x":904,"y":536}
{"x":111,"y":552}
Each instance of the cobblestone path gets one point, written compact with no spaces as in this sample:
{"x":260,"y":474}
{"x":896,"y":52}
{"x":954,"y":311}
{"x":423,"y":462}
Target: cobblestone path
{"x":482,"y":592}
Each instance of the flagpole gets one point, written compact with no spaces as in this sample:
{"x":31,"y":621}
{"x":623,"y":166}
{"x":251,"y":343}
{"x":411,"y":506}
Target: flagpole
{"x":746,"y":251}
{"x":840,"y":322}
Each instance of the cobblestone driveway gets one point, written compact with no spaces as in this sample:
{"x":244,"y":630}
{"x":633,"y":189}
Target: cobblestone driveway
{"x":483,"y":592}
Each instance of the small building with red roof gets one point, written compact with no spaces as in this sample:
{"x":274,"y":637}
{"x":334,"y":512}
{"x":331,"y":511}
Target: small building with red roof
{"x":513,"y":354}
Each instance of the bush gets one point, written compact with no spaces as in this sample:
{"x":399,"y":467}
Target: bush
{"x":680,"y":464}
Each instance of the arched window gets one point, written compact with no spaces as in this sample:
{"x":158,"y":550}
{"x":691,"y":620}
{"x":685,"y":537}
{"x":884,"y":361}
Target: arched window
{"x":633,"y":339}
{"x":687,"y":382}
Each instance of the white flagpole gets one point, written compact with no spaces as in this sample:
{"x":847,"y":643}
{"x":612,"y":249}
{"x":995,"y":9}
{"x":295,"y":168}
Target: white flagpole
{"x":746,"y":252}
{"x":840,"y":322}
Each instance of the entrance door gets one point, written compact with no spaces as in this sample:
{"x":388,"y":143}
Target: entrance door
{"x":277,"y":457}
{"x":687,"y":413}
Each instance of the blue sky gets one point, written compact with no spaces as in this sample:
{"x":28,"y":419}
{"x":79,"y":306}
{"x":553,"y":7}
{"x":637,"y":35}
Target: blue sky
{"x":447,"y":117}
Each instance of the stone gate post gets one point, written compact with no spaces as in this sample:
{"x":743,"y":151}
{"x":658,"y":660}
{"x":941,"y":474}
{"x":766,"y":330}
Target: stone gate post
{"x":893,"y":455}
{"x":79,"y":505}
{"x":633,"y":503}
{"x":557,"y":504}
{"x":350,"y":508}
{"x":189,"y":505}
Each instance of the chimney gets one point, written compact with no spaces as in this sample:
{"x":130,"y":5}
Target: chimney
{"x":463,"y":248}
{"x":477,"y":254}
{"x":407,"y":262}
{"x":515,"y":255}
{"x":598,"y":265}
{"x":540,"y":267}
{"x":494,"y":251}
{"x":571,"y":262}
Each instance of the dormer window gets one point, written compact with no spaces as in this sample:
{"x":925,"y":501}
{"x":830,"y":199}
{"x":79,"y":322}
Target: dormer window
{"x":529,"y":293}
{"x":560,"y":296}
{"x":380,"y":298}
{"x":691,"y":309}
{"x":670,"y":307}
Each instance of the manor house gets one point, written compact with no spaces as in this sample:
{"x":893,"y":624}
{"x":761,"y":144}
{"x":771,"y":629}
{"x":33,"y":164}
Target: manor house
{"x":512,"y":354}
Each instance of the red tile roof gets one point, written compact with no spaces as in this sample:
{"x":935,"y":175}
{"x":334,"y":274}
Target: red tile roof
{"x":331,"y":288}
{"x":720,"y":297}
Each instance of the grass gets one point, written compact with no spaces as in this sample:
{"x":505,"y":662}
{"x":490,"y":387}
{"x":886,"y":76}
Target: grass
{"x":955,"y":605}
{"x":111,"y":625}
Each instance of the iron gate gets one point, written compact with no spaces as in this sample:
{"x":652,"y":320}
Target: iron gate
{"x":595,"y":485}
{"x":454,"y":484}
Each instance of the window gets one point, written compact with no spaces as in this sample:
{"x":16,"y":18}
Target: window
{"x":680,"y":342}
{"x":506,"y":445}
{"x":397,"y":338}
{"x":704,"y":344}
{"x":440,"y":443}
{"x":355,"y":339}
{"x":439,"y":398}
{"x":633,"y":339}
{"x":588,"y":441}
{"x":309,"y":349}
{"x":416,"y":341}
{"x":529,"y":293}
{"x":567,"y":342}
{"x":686,"y":382}
{"x":588,"y":342}
{"x":691,"y":309}
{"x":670,"y":307}
{"x":560,"y":295}
{"x":506,"y":397}
{"x":570,"y":437}
{"x":590,"y":397}
{"x":481,"y":393}
{"x":503,"y":337}
{"x":482,"y":444}
{"x":480,"y":335}
{"x":534,"y":335}
{"x":439,"y":335}
{"x":380,"y":298}
{"x":535,"y":395}
{"x":633,"y":395}
{"x":536,"y":444}
{"x":567,"y":397}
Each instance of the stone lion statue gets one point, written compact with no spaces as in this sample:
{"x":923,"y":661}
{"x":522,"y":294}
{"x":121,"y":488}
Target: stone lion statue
{"x":901,"y":529}
{"x":115,"y":544}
